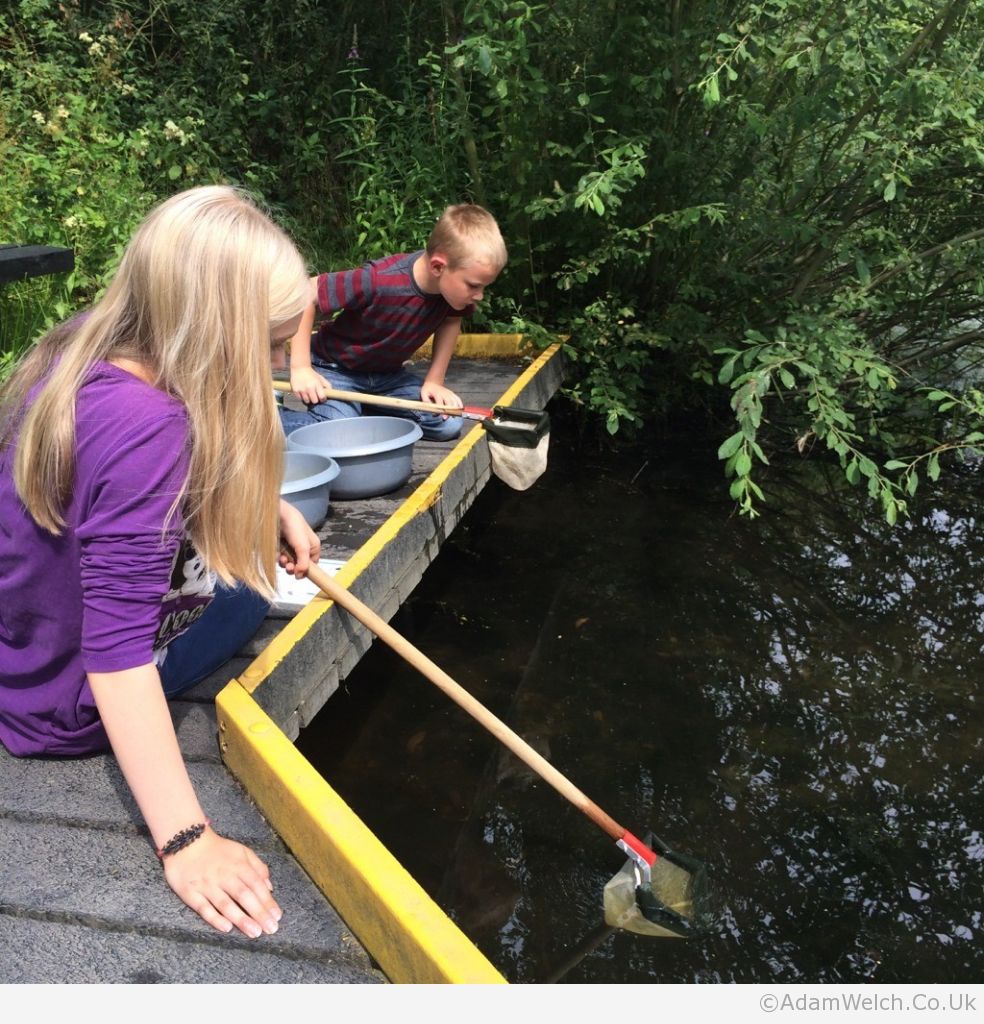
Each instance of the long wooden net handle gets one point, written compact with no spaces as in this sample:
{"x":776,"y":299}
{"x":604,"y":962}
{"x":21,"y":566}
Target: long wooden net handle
{"x":464,"y":699}
{"x":396,"y":403}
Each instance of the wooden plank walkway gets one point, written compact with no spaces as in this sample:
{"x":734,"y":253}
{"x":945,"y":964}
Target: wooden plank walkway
{"x":81,"y":893}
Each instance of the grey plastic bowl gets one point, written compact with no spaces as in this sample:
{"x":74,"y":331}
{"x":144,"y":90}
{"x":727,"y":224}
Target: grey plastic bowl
{"x":307,"y":484}
{"x":374,"y":453}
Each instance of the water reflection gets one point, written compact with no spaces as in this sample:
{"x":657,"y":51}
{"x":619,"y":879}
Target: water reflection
{"x":791,"y":700}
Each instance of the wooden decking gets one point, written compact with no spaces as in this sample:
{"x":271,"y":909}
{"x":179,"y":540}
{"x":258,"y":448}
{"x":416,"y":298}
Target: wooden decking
{"x":81,"y":893}
{"x":386,"y":544}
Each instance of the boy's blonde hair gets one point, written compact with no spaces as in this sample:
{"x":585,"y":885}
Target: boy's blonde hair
{"x":200,"y":286}
{"x":467,"y":234}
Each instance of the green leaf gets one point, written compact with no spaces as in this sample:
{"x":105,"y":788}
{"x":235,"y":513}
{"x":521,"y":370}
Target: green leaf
{"x":933,"y":467}
{"x":484,"y":60}
{"x":852,"y":472}
{"x":864,"y":273}
{"x":743,"y":464}
{"x":889,"y":193}
{"x":891,"y":512}
{"x":895,"y":464}
{"x":727,"y":371}
{"x":174,"y":172}
{"x":713,"y":93}
{"x":787,"y":378}
{"x":731,"y":445}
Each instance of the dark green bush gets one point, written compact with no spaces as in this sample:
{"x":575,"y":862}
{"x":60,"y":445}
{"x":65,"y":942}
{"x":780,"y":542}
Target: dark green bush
{"x":769,"y":209}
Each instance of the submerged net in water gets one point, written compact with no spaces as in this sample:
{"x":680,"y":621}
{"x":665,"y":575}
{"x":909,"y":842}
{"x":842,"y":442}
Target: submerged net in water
{"x":663,"y":907}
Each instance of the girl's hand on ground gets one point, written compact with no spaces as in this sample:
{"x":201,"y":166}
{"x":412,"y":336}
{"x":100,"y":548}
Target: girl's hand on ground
{"x":439,"y":395}
{"x":300,"y":539}
{"x":226,"y":884}
{"x":308,"y":385}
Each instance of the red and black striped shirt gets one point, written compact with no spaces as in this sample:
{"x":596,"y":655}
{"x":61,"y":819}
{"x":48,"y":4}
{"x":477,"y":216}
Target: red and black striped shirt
{"x":384,"y":318}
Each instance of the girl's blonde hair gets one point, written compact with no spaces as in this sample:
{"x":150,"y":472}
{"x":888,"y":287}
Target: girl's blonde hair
{"x":467,"y":234}
{"x":200,"y":286}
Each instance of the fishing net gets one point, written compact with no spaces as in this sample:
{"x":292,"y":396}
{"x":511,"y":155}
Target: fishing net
{"x":623,"y":908}
{"x":519,"y":468}
{"x":518,"y":442}
{"x":666,"y":904}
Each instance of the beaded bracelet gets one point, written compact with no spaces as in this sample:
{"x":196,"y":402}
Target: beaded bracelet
{"x":182,"y":839}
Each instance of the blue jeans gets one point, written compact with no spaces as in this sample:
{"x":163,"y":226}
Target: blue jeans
{"x":230,"y":619}
{"x":395,"y":384}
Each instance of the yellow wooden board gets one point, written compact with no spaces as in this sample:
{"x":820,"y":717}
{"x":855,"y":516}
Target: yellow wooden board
{"x":394,"y":919}
{"x":398,"y":924}
{"x":483,"y":346}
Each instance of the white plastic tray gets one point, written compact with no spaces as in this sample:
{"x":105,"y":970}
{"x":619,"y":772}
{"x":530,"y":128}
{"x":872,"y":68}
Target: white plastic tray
{"x":293,"y":595}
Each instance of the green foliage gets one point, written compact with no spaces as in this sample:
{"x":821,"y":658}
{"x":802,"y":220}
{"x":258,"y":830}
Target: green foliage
{"x":396,"y":155}
{"x":861,"y":253}
{"x":107,"y":108}
{"x":614,"y":352}
{"x":71,"y":176}
{"x":783,"y":192}
{"x":769,"y":209}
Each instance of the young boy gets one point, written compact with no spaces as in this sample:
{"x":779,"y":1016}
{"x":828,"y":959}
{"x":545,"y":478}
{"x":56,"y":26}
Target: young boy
{"x":389,"y":308}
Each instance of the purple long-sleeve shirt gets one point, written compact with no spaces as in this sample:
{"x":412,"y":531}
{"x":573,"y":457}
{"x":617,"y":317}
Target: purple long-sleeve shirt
{"x":115,"y":586}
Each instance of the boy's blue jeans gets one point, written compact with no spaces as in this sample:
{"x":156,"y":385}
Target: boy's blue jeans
{"x":230,"y":619}
{"x":395,"y":384}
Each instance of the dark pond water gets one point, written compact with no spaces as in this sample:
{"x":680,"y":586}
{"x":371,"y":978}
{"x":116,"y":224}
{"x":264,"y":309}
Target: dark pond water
{"x":794,"y":701}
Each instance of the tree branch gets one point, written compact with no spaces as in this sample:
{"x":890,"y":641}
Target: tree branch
{"x":960,"y":341}
{"x":926,"y":254}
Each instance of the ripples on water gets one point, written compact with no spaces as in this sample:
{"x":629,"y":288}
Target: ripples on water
{"x":792,"y":700}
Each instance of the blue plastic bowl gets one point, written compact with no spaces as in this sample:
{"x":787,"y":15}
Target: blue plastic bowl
{"x":307,"y":484}
{"x":374,"y":453}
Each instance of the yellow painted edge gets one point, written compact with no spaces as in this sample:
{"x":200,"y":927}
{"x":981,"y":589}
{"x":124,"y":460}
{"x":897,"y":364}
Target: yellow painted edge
{"x":398,"y":924}
{"x":393,"y":918}
{"x":482,"y":346}
{"x":423,"y":498}
{"x":513,"y":391}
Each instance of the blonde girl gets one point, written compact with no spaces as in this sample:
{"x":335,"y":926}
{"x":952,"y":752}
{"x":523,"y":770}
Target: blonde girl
{"x":140,"y":461}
